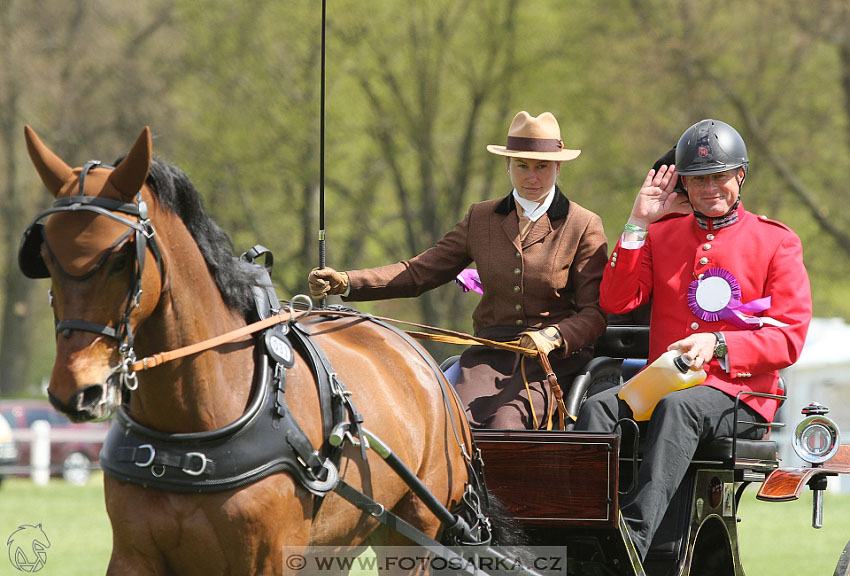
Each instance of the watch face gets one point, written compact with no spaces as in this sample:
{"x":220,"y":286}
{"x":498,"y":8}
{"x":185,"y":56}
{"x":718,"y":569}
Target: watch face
{"x":720,"y":350}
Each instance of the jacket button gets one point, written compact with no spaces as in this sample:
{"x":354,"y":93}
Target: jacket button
{"x":706,"y":246}
{"x":518,"y":255}
{"x":517,"y":288}
{"x":703,"y":260}
{"x":694,"y":325}
{"x":518,"y":307}
{"x":519,"y":322}
{"x":517,"y":271}
{"x":709,"y":237}
{"x":613,"y":263}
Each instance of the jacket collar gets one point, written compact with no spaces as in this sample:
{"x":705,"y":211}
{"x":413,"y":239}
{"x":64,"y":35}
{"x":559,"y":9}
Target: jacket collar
{"x":559,"y":209}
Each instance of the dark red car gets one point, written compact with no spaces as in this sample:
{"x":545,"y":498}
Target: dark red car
{"x":74,"y":448}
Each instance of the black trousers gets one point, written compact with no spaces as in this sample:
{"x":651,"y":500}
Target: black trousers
{"x":680,"y":422}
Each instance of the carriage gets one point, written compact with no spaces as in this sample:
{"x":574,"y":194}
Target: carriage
{"x":243,"y":428}
{"x":579,"y":478}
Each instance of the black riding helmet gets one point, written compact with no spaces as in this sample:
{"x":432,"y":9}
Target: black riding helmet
{"x":667,"y":159}
{"x":709,"y":147}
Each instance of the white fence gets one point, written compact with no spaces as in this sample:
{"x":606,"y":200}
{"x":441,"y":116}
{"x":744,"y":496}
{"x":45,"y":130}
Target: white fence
{"x":40,"y":436}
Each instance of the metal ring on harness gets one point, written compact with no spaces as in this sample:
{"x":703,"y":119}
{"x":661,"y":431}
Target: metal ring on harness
{"x":203,"y":459}
{"x":149,"y":461}
{"x":329,"y":482}
{"x":307,"y":301}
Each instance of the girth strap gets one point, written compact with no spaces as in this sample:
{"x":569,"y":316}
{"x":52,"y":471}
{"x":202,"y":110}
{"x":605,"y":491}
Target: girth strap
{"x":333,"y":400}
{"x":459,"y":563}
{"x":398,"y":524}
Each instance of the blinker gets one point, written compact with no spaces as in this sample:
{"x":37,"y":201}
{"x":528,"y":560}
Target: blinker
{"x":29,"y":253}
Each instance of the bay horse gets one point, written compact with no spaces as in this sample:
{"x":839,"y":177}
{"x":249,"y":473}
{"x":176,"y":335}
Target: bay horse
{"x":138,"y":267}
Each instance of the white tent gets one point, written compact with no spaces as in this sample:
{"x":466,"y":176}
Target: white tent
{"x":822,"y":374}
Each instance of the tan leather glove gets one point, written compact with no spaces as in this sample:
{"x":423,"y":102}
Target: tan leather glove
{"x":544,"y":340}
{"x":324,"y":281}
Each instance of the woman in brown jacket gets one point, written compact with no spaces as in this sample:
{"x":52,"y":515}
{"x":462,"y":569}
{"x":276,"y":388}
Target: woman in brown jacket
{"x":540,"y":258}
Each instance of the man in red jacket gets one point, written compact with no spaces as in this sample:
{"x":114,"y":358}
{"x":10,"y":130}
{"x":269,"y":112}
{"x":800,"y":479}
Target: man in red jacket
{"x":729,"y":290}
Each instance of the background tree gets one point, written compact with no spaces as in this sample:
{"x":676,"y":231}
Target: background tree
{"x":64,"y":77}
{"x":415,"y":91}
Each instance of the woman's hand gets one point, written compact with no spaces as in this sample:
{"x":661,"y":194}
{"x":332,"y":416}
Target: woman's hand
{"x":324,"y":281}
{"x":544,"y":340}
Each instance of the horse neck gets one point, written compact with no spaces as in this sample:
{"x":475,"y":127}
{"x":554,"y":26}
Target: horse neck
{"x":204,"y":391}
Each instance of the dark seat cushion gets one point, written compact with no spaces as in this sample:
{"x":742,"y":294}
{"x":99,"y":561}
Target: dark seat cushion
{"x":721,"y":449}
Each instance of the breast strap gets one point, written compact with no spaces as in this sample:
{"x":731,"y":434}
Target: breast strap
{"x":265,"y":440}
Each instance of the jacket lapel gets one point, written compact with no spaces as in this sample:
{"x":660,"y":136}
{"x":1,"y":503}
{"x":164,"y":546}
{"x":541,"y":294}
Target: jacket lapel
{"x":507,"y":207}
{"x":510,"y":224}
{"x":539,"y":231}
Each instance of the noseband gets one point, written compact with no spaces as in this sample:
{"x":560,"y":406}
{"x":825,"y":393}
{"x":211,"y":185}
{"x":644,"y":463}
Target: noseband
{"x":32,"y":263}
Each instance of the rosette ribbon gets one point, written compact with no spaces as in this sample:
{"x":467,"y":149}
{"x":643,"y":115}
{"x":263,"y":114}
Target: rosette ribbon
{"x":717,"y":296}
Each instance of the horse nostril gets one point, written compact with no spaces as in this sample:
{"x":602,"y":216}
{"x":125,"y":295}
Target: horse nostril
{"x":84,"y":405}
{"x":89,"y":396}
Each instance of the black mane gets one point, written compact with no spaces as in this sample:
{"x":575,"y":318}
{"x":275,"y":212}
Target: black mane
{"x":233,"y":277}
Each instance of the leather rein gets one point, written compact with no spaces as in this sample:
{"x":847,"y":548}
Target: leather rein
{"x":436,"y":334}
{"x":453,"y":336}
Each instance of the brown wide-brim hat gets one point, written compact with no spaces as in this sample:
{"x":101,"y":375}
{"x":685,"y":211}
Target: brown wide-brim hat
{"x":534,"y":138}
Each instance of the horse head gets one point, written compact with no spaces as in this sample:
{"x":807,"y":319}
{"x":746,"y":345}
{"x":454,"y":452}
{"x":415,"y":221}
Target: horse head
{"x":93,"y":246}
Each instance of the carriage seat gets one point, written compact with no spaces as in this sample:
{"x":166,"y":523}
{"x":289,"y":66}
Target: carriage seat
{"x":739,"y":452}
{"x":625,"y":343}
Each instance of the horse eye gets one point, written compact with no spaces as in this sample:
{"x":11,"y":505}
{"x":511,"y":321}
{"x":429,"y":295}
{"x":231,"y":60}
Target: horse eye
{"x":119,"y":264}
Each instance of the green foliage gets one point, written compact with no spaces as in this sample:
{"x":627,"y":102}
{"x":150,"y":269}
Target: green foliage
{"x":414,"y":92}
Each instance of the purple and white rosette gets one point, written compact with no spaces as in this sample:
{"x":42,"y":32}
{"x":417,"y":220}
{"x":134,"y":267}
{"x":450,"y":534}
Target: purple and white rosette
{"x":717,"y":296}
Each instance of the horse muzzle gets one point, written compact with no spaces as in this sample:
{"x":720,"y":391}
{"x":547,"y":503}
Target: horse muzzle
{"x":92,"y":403}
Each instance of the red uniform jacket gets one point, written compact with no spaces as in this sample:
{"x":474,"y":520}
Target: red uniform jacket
{"x":764,"y":256}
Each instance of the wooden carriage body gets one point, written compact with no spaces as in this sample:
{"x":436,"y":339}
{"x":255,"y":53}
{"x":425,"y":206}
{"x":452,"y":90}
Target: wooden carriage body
{"x":564,"y":488}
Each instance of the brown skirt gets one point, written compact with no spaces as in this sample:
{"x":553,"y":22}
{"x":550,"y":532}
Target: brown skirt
{"x":491,"y":386}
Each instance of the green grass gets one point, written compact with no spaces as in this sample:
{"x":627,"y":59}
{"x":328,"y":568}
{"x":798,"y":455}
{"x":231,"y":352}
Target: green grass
{"x":73,"y":518}
{"x":775,"y":538}
{"x":778,"y":538}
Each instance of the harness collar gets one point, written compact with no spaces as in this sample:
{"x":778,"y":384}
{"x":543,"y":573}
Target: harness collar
{"x":265,"y":440}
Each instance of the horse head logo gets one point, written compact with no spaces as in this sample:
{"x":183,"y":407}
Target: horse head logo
{"x":28,"y":548}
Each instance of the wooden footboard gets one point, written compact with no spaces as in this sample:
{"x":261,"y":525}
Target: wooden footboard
{"x":553,"y":478}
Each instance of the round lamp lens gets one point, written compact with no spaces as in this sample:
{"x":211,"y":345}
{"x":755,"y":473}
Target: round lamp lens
{"x":816,"y":439}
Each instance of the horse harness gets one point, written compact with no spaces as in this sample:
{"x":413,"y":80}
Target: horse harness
{"x":266,"y":439}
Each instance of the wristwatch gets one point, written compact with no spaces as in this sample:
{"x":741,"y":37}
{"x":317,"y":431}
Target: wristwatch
{"x":720,"y":349}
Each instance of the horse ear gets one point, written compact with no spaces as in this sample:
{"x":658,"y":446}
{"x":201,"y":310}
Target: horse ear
{"x":129,"y":176}
{"x":52,"y":169}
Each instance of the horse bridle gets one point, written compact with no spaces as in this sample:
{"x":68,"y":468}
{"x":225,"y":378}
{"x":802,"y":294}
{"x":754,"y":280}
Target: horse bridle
{"x":32,"y":263}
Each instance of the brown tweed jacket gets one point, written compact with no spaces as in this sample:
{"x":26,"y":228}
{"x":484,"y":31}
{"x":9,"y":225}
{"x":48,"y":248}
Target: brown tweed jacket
{"x":551,"y":278}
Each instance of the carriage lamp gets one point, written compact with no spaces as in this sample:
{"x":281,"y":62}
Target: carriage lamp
{"x":816,"y":438}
